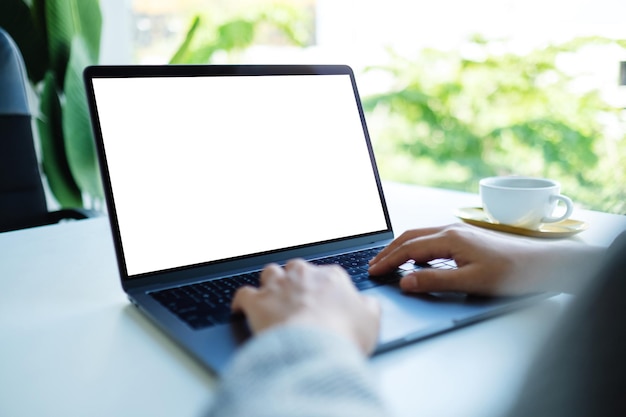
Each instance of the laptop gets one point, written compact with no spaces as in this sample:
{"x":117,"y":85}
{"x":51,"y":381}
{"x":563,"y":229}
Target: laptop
{"x":211,"y":172}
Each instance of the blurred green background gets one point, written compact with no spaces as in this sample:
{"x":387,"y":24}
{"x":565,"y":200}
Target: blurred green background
{"x":448,"y":120}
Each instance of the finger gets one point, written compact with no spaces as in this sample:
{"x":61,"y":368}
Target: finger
{"x":403,"y":238}
{"x":421,"y":249}
{"x":434,"y":280}
{"x":410,"y":249}
{"x":295,"y":268}
{"x":297,"y":274}
{"x":269,"y":273}
{"x":243,"y":297}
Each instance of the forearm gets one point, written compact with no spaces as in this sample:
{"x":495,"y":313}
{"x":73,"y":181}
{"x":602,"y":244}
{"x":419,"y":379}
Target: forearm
{"x":565,"y":266}
{"x":298,"y":371}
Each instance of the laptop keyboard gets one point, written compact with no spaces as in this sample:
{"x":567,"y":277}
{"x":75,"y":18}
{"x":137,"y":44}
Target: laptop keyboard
{"x":207,"y":303}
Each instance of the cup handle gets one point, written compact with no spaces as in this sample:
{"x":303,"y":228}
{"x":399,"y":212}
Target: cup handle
{"x":568,"y":211}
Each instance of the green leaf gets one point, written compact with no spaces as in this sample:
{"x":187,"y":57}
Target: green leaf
{"x":236,"y":34}
{"x":88,"y":24}
{"x":79,"y":141}
{"x":16,"y":18}
{"x":54,"y":161}
{"x":60,"y":30}
{"x":291,"y":22}
{"x":67,"y":18}
{"x":201,"y":55}
{"x":181,"y":56}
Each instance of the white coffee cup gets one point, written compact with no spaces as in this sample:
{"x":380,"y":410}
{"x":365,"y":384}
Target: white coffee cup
{"x":523,"y":201}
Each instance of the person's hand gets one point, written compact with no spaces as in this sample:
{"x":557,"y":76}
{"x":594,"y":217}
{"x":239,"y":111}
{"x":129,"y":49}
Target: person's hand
{"x":304,"y":294}
{"x":488,"y":263}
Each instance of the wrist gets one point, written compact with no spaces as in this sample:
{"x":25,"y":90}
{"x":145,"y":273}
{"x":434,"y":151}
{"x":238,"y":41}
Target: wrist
{"x":569,"y":266}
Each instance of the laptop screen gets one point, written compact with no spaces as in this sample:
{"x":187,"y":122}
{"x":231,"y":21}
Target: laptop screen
{"x":209,"y":168}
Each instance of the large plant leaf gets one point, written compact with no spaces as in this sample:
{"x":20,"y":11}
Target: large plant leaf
{"x":66,"y":19}
{"x":88,"y":24}
{"x":60,"y":30}
{"x":182,"y":55}
{"x":236,"y":34}
{"x":54,"y":161}
{"x":79,"y":142}
{"x":18,"y":20}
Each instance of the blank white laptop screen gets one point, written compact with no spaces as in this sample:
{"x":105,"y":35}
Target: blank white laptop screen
{"x":211,"y":168}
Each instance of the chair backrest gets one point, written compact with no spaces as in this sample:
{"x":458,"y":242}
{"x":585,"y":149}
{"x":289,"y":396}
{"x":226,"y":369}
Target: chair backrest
{"x":22,"y":198}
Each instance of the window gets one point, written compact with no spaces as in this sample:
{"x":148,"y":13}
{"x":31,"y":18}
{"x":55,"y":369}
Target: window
{"x":454,"y":90}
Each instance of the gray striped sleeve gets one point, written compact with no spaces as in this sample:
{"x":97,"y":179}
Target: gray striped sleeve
{"x":298,"y":371}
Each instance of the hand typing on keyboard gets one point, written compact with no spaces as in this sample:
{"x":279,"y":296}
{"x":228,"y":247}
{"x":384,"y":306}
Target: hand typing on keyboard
{"x":487,"y":263}
{"x":310,"y":295}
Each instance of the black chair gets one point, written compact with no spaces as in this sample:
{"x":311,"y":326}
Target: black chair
{"x":22,"y":197}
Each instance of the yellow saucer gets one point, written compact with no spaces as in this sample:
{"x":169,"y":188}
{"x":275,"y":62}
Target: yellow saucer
{"x":565,"y":228}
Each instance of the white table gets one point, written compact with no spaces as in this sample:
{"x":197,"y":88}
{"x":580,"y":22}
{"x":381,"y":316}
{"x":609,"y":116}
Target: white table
{"x":72,"y":345}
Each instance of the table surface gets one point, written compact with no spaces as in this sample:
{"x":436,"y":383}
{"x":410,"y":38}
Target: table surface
{"x":72,"y":344}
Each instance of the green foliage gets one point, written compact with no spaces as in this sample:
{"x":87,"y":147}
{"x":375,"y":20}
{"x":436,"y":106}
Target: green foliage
{"x":451,"y":118}
{"x":79,"y":143}
{"x":58,"y":172}
{"x":204,"y":38}
{"x":58,"y":39}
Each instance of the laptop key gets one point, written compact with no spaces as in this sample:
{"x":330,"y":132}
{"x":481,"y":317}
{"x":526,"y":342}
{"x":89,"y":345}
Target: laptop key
{"x":207,"y":303}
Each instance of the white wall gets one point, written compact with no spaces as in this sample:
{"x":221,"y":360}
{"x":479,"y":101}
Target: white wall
{"x":361,"y":23}
{"x":116,"y":42}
